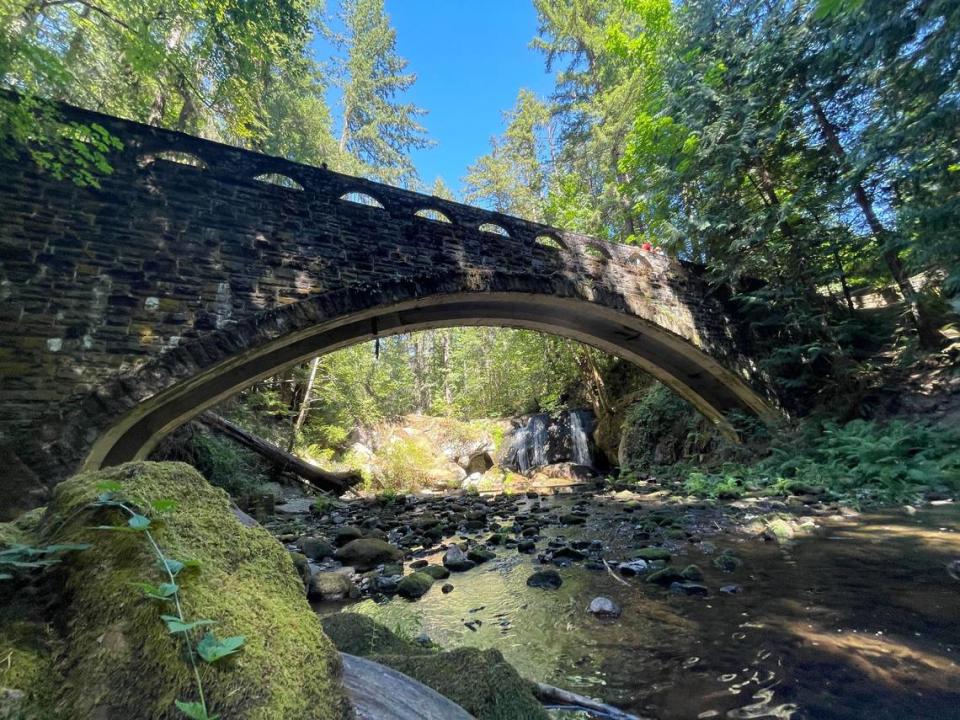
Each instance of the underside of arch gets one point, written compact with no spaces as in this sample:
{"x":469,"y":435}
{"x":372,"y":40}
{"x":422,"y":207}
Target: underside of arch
{"x":714,"y":390}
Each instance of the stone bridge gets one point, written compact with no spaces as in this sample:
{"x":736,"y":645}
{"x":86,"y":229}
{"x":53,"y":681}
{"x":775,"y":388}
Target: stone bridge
{"x":196,"y":269}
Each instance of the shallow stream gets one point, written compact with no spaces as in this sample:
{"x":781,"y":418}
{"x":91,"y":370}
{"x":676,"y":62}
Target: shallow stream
{"x":860,"y":619}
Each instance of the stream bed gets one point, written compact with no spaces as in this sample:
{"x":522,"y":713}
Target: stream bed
{"x":858,"y":617}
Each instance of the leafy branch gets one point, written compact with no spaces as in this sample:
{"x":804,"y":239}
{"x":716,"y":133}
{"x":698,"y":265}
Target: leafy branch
{"x":208,"y":648}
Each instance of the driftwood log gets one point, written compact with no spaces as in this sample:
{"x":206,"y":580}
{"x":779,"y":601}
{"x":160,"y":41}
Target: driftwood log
{"x":550,"y":695}
{"x":337,"y":482}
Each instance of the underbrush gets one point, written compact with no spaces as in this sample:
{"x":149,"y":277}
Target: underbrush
{"x":861,"y":462}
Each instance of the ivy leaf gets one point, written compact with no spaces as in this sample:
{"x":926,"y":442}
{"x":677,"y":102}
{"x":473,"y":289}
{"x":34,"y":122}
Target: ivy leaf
{"x":194,"y":710}
{"x":176,"y":625}
{"x":173,"y":566}
{"x":164,"y":505}
{"x":163,"y":591}
{"x":211,"y":649}
{"x":139,"y":522}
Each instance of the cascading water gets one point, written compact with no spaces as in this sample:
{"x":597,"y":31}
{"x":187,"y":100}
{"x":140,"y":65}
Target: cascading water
{"x":581,"y":448}
{"x":538,"y":440}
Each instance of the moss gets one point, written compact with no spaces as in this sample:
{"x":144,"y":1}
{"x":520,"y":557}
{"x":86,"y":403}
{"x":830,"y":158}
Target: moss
{"x":367,"y":553}
{"x":117,"y":657}
{"x":650,"y":553}
{"x":480,"y":681}
{"x":358,"y":634}
{"x":437,"y":572}
{"x":415,"y":585}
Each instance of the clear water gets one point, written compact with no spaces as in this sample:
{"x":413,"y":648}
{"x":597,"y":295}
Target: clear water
{"x":861,"y":620}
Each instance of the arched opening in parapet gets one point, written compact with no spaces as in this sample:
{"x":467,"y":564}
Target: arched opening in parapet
{"x":433,"y":215}
{"x":494,"y":229}
{"x":256,"y":353}
{"x":284,"y":181}
{"x":172,"y":156}
{"x":359,"y":198}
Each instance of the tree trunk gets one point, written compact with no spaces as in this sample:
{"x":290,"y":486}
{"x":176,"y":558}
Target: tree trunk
{"x":929,"y":337}
{"x":338,"y":482}
{"x":304,"y":403}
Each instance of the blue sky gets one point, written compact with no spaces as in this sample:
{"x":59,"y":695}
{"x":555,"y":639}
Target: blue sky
{"x":471,"y":57}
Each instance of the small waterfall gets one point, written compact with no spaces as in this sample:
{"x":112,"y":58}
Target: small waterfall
{"x":520,"y":440}
{"x":581,"y":448}
{"x":538,"y":440}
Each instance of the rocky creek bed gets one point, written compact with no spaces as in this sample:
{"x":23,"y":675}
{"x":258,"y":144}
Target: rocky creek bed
{"x":665,"y":606}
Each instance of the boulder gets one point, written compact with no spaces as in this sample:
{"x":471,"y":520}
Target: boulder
{"x":330,"y":586}
{"x":367,"y":553}
{"x":456,"y":560}
{"x":316,"y":548}
{"x":414,"y":585}
{"x":346,"y":534}
{"x":437,"y":572}
{"x":604,"y":607}
{"x":480,"y":555}
{"x":102,"y":651}
{"x":545,"y":579}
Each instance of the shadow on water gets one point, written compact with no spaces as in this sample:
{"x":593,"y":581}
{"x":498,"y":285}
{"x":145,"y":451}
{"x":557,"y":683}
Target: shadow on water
{"x":858,"y":620}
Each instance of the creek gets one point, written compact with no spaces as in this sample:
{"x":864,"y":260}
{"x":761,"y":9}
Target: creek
{"x":858,"y":618}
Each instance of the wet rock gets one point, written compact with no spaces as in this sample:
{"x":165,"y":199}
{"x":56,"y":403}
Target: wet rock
{"x":456,"y":560}
{"x":692,"y":573}
{"x":346,"y":534}
{"x":634,"y":567}
{"x":545,"y":579}
{"x":604,"y":607}
{"x":779,"y":530}
{"x":367,"y":553}
{"x":569,"y":553}
{"x":527,"y":546}
{"x":689,"y":588}
{"x":330,"y":586}
{"x":447,"y":588}
{"x":414,"y":585}
{"x":386,"y":584}
{"x":665,"y":577}
{"x":650,"y":553}
{"x":572,"y":519}
{"x":417,"y":564}
{"x":727,"y":562}
{"x":315,"y":548}
{"x":437,"y":572}
{"x":731,"y":589}
{"x":480,"y":555}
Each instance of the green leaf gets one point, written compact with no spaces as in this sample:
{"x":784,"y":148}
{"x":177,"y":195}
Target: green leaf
{"x":176,"y":625}
{"x":194,"y":710}
{"x":163,"y":591}
{"x":164,"y":505}
{"x":139,"y":522}
{"x":109,"y":486}
{"x":173,"y":566}
{"x":212,"y":650}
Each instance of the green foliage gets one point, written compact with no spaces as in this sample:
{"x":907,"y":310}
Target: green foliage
{"x":18,"y":557}
{"x":861,"y":462}
{"x":225,"y":464}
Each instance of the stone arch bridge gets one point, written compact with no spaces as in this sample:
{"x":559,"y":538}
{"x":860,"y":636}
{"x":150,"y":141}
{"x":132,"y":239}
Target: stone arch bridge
{"x":196,"y":269}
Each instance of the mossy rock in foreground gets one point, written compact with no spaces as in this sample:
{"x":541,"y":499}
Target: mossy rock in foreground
{"x":480,"y":681}
{"x":110,"y":653}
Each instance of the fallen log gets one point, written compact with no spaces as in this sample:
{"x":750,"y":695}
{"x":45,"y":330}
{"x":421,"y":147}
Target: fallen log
{"x":338,"y":482}
{"x":550,"y":695}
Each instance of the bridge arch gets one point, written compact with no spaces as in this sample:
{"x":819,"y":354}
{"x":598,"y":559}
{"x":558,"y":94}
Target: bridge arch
{"x":127,"y":309}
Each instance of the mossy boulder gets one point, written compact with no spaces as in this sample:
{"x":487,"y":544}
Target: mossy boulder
{"x":650,"y":553}
{"x":331,"y":586}
{"x":480,"y":681}
{"x":414,"y":585}
{"x":437,"y":572}
{"x":101,"y":650}
{"x":366,"y":553}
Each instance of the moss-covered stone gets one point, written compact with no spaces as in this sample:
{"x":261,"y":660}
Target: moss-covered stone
{"x":665,"y":577}
{"x":361,"y":635}
{"x":367,"y":553}
{"x":115,"y":657}
{"x":414,"y":585}
{"x":480,"y":681}
{"x":437,"y":572}
{"x":650,"y":553}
